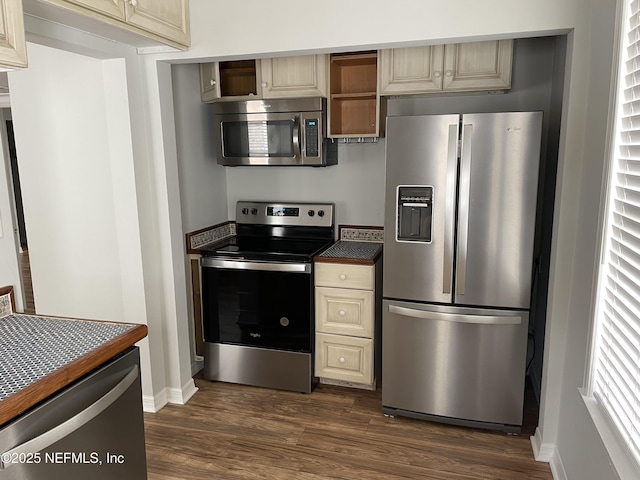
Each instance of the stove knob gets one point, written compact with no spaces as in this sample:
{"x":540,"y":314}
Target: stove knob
{"x":254,"y":211}
{"x":245,"y":211}
{"x":311,"y":213}
{"x":321,"y":213}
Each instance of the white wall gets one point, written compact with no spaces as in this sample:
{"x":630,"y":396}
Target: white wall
{"x":203,"y":187}
{"x":118,"y":182}
{"x":9,"y":267}
{"x":65,"y":173}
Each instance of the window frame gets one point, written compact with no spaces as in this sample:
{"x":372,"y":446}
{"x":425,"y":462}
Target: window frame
{"x":625,"y":466}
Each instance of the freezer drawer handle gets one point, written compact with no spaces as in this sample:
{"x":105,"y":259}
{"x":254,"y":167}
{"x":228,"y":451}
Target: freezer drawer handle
{"x":262,"y":266}
{"x":451,"y":317}
{"x":74,"y":423}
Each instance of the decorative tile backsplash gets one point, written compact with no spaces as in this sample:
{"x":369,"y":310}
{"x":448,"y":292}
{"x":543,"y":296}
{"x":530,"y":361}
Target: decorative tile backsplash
{"x":211,"y":235}
{"x":361,"y":234}
{"x":5,"y":305}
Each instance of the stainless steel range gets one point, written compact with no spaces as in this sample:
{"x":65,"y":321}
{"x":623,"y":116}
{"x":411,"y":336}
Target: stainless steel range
{"x":258,"y":306}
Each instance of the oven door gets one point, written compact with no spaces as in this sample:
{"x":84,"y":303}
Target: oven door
{"x":259,"y":304}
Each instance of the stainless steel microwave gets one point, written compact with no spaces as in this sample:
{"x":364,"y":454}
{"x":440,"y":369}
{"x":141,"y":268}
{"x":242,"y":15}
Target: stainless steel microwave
{"x":274,"y":132}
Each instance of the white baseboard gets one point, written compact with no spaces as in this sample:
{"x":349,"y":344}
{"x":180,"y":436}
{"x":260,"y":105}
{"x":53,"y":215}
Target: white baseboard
{"x":557,"y":468}
{"x":153,"y":404}
{"x":180,"y":396}
{"x":548,"y":452}
{"x":197,"y":364}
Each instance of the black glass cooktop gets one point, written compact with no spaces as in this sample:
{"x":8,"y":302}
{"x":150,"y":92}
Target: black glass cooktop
{"x":273,"y":248}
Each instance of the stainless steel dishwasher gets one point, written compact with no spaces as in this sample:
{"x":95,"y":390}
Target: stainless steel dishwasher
{"x":92,"y":429}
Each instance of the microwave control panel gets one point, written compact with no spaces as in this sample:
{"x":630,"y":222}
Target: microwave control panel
{"x":311,"y":137}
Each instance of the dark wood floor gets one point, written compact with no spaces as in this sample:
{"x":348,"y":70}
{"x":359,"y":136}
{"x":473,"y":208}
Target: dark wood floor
{"x":234,"y":432}
{"x":231,"y":431}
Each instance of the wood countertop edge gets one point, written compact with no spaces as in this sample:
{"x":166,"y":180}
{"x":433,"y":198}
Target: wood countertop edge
{"x":28,"y":397}
{"x":347,"y":260}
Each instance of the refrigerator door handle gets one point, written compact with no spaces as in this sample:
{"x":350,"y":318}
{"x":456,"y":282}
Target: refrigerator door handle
{"x":456,"y":318}
{"x":450,"y":207}
{"x":463,"y":208}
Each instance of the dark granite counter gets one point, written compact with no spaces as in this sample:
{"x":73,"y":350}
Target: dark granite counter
{"x":363,"y":253}
{"x":41,"y":355}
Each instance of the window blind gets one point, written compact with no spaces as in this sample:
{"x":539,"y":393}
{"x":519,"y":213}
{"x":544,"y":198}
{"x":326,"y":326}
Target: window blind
{"x":616,"y":365}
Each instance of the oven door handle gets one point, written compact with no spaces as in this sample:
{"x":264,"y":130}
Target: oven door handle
{"x":264,"y":266}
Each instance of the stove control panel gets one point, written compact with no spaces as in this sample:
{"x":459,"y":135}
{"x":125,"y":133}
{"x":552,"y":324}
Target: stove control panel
{"x":267,"y":213}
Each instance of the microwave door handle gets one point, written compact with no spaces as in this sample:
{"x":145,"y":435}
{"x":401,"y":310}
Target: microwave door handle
{"x":296,"y":137}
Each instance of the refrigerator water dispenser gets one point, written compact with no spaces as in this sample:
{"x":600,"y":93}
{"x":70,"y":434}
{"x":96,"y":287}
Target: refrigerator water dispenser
{"x":415,"y":212}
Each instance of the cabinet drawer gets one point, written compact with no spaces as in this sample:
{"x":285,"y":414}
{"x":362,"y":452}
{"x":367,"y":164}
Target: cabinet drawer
{"x":343,"y":275}
{"x":344,"y":358}
{"x":344,"y":311}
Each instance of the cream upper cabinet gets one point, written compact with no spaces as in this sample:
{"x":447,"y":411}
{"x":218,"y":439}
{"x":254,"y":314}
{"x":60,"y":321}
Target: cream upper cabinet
{"x":284,"y":77}
{"x":163,"y":20}
{"x":230,"y":81}
{"x":209,"y":82}
{"x":112,"y":8}
{"x":478,"y":66}
{"x":13,"y":48}
{"x":462,"y":67}
{"x":411,"y":70}
{"x":297,"y":76}
{"x":167,"y":18}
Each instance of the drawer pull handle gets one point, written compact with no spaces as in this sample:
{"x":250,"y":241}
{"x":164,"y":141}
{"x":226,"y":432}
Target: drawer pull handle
{"x":342,"y":360}
{"x":342,"y":276}
{"x":342,"y":313}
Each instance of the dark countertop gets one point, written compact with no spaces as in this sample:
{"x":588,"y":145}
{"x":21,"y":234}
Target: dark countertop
{"x":359,"y":253}
{"x":217,"y":244}
{"x":41,"y":355}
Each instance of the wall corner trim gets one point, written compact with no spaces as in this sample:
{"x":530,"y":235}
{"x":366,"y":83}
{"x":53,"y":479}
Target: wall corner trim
{"x":180,"y":396}
{"x":548,"y":452}
{"x":153,"y":403}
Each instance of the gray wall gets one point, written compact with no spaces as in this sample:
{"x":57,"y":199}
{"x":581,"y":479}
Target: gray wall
{"x":356,"y":184}
{"x":209,"y":192}
{"x":203,"y":183}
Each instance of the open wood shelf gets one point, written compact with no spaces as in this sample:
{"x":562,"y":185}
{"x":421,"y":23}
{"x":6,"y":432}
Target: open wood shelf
{"x":353,"y":96}
{"x":353,"y":99}
{"x":238,"y":78}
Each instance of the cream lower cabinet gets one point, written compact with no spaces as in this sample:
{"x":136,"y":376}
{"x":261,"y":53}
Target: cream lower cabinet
{"x":460,"y":67}
{"x":347,"y":323}
{"x":13,"y":48}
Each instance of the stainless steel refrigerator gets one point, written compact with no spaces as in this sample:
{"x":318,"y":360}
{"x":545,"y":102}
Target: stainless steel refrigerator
{"x":460,"y":214}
